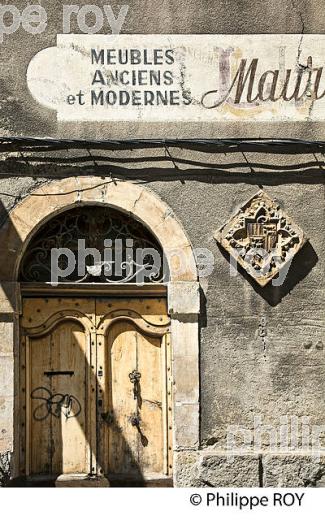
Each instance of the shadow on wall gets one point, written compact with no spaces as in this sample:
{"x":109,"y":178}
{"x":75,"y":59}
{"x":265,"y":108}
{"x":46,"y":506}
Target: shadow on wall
{"x":247,"y":171}
{"x":7,"y":287}
{"x":303,"y":262}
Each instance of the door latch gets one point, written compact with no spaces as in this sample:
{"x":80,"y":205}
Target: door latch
{"x":135,"y":377}
{"x":51,"y":373}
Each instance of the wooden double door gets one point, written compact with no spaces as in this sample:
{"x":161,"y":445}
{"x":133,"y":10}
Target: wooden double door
{"x":96,"y":388}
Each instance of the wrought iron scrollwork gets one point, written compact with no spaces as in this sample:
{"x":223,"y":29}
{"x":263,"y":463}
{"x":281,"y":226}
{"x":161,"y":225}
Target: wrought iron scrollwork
{"x":115,"y":236}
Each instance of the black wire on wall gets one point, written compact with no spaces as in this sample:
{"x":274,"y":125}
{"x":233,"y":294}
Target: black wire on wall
{"x":231,"y":145}
{"x":295,"y":146}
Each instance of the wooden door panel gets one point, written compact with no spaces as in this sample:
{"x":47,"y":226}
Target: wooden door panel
{"x":152,"y":310}
{"x":69,"y":355}
{"x":132,"y":338}
{"x":40,"y":425}
{"x":131,"y":449}
{"x":58,"y":401}
{"x":58,"y":381}
{"x":152,"y":367}
{"x":121,"y":360}
{"x":79,"y":355}
{"x":39,"y":311}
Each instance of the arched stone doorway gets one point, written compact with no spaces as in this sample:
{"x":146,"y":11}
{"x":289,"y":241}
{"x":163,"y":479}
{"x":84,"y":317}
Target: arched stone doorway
{"x":180,"y":315}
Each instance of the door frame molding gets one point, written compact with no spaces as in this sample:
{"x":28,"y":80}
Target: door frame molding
{"x":183,"y":294}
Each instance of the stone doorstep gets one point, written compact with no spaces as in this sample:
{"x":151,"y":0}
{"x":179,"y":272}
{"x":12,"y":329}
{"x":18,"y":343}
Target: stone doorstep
{"x":77,"y":480}
{"x":64,"y":480}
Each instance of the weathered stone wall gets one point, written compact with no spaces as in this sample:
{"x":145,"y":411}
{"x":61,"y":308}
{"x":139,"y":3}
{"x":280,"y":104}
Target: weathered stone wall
{"x":244,"y":374}
{"x":5,"y":472}
{"x":21,"y":115}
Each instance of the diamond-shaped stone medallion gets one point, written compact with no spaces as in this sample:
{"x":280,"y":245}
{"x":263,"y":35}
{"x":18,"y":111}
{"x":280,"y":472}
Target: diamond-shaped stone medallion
{"x":261,"y":238}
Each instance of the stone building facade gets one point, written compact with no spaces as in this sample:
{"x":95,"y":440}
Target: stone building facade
{"x":247,"y":355}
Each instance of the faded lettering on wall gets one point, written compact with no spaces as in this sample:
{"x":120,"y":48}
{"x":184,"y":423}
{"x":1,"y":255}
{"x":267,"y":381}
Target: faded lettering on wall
{"x":181,"y":77}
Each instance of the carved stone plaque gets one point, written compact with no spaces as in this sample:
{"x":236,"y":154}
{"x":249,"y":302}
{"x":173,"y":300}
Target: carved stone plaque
{"x":261,"y":238}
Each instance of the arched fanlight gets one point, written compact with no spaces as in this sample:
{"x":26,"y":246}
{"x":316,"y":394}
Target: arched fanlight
{"x":92,"y":244}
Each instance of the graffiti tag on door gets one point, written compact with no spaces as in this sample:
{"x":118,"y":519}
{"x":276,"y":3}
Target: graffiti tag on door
{"x":54,"y":404}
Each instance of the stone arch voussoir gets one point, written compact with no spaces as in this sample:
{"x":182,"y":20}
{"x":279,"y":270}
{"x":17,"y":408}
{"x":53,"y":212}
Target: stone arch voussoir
{"x":145,"y":206}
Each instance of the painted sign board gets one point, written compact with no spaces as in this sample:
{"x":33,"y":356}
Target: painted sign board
{"x":149,"y":78}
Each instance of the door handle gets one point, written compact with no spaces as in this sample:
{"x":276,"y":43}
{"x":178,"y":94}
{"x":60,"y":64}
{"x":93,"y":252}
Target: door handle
{"x":135,"y":377}
{"x":136,"y":421}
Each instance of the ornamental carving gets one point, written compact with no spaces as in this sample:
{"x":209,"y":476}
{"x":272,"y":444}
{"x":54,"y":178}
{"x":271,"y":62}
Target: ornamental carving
{"x":261,"y":238}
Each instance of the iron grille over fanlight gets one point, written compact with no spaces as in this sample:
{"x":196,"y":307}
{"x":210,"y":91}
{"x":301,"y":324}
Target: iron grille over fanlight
{"x":93,"y":244}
